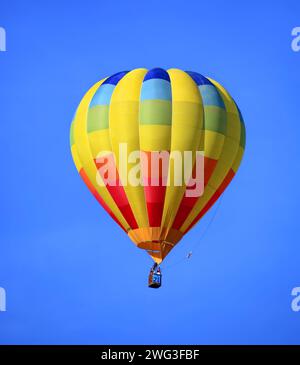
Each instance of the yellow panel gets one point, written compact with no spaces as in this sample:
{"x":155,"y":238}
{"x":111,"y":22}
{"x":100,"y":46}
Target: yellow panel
{"x":238,"y":159}
{"x":124,"y":128}
{"x":85,"y":154}
{"x":76,"y":158}
{"x":186,"y":89}
{"x":155,"y":137}
{"x":226,"y":158}
{"x":224,"y":163}
{"x":99,"y":141}
{"x":213,"y":142}
{"x":187,"y":124}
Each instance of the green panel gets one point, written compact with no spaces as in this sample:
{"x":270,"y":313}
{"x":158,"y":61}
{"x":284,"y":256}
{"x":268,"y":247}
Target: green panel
{"x":98,"y":118}
{"x":156,"y":112}
{"x":215,"y":119}
{"x":243,"y":134}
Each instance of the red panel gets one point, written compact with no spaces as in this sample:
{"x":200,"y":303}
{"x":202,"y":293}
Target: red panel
{"x":209,"y":166}
{"x":117,"y":192}
{"x":154,"y":195}
{"x":98,"y":197}
{"x":187,"y":203}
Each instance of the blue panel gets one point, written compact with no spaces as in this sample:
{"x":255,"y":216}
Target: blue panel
{"x":156,"y":89}
{"x":114,"y":79}
{"x":102,"y":95}
{"x":198,"y":78}
{"x":157,"y":73}
{"x":211,"y":96}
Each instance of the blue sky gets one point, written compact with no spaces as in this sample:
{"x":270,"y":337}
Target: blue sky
{"x":70,"y":274}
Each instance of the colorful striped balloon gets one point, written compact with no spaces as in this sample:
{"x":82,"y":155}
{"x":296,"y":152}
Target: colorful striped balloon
{"x":151,"y":111}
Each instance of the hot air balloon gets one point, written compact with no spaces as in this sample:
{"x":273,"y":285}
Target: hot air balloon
{"x":151,"y":111}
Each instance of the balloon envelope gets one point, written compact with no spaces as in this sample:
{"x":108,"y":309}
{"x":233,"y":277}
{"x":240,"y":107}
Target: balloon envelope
{"x":155,"y":111}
